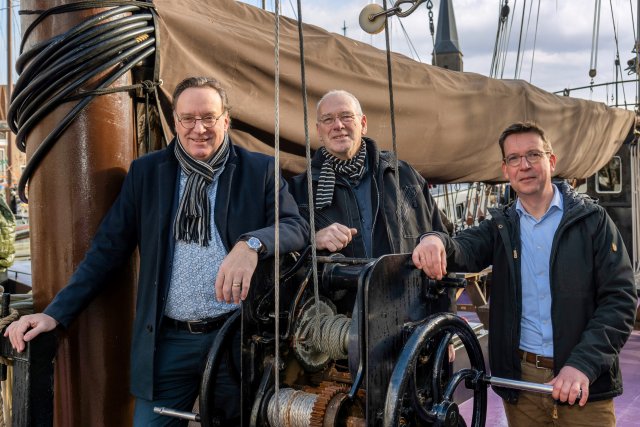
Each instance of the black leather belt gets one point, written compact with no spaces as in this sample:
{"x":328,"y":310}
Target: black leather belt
{"x":196,"y":326}
{"x":536,"y":359}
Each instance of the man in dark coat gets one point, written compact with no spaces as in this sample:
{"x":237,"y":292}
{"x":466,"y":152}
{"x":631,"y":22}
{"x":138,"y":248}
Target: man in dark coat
{"x":201,"y":213}
{"x":563,"y":297}
{"x":358,"y":211}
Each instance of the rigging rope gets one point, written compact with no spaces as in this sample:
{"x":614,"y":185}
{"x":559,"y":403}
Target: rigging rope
{"x":307,"y":144}
{"x":535,"y":39}
{"x":276,"y":263}
{"x":412,"y":48}
{"x":617,"y":66}
{"x":506,"y":42}
{"x":593,"y":64}
{"x":499,"y":46}
{"x":518,"y":59}
{"x":393,"y":125}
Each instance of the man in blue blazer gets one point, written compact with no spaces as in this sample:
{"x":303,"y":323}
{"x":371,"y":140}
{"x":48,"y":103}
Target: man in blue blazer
{"x":201,"y":213}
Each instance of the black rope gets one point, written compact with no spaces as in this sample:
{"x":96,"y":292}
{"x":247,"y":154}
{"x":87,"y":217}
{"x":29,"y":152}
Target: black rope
{"x":61,"y":69}
{"x":74,"y":7}
{"x":393,"y":123}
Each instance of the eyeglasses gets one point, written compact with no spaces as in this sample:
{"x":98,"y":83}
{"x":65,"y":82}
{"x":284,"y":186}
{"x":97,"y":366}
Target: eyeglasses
{"x":345,"y":118}
{"x":189,"y":122}
{"x":532,"y":157}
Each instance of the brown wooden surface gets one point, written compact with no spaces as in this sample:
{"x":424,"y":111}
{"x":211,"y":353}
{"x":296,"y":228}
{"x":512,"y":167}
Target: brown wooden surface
{"x":477,"y":291}
{"x":69,"y":194}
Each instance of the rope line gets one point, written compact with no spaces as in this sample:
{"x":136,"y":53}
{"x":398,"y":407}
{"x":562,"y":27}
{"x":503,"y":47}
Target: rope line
{"x":617,"y":65}
{"x":393,"y":125}
{"x":307,"y":144}
{"x":593,"y":64}
{"x":54,"y":71}
{"x":535,"y":39}
{"x":276,"y":365}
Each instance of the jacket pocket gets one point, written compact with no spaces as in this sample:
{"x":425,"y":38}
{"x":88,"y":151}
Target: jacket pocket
{"x":409,"y":205}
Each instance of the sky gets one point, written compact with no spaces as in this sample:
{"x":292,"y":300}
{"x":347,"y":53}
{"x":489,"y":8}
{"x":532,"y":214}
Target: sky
{"x":563,"y":40}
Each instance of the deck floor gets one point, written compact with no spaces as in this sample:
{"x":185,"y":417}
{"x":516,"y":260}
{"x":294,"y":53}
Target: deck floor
{"x":627,"y":405}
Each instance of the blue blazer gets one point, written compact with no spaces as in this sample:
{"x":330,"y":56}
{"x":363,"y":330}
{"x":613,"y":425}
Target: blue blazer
{"x":143,"y":215}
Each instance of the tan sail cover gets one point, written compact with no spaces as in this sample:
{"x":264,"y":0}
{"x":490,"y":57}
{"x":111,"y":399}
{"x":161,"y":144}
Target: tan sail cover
{"x":447,"y":122}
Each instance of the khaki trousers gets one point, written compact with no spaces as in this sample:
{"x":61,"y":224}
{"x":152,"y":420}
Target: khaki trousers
{"x":537,"y":409}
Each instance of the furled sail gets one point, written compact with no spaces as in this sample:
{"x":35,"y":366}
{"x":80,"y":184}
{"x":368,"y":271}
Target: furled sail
{"x":448,"y":122}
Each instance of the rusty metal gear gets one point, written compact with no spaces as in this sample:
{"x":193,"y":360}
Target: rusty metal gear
{"x":325,"y":391}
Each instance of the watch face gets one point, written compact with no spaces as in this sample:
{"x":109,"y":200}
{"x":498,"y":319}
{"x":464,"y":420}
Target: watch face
{"x":254,"y":243}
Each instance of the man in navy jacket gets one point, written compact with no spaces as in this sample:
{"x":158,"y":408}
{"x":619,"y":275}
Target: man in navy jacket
{"x":201,"y":213}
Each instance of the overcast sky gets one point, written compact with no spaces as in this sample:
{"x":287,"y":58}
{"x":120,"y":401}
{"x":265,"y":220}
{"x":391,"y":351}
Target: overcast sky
{"x":563,"y":39}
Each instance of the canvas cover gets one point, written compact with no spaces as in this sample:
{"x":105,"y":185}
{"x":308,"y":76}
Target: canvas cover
{"x":447,"y":122}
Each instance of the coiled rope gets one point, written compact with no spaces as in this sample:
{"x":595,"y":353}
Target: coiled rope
{"x":294,"y":409}
{"x":330,"y":335}
{"x":57,"y":70}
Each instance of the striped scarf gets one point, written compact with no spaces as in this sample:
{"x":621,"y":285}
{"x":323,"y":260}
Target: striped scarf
{"x":193,"y":219}
{"x":352,"y":168}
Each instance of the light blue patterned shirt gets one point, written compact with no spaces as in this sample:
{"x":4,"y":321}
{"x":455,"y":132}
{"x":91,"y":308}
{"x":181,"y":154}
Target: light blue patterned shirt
{"x":192,"y":287}
{"x":536,"y":237}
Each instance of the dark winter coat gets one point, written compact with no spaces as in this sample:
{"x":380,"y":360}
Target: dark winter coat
{"x":592,"y":290}
{"x":143,"y":216}
{"x":419,"y":213}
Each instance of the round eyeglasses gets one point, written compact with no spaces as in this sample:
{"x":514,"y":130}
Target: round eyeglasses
{"x":532,"y":157}
{"x":345,"y":118}
{"x":189,"y":122}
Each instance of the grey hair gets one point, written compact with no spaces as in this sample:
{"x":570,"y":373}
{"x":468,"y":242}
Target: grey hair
{"x":343,"y":93}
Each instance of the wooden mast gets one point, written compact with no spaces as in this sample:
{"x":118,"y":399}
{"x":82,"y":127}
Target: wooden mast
{"x":68,"y":196}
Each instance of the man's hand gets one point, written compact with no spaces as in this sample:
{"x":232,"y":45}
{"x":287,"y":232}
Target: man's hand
{"x":334,"y":237}
{"x":567,"y":386}
{"x":27,"y":328}
{"x":234,"y":276}
{"x":430,"y":257}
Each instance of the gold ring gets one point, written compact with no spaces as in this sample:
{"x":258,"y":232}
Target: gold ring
{"x":236,"y":285}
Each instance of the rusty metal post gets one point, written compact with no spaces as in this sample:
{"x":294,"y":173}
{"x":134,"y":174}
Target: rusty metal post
{"x":9,"y":165}
{"x":69,"y":194}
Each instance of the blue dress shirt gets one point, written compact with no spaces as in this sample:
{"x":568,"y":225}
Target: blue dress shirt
{"x":536,"y":236}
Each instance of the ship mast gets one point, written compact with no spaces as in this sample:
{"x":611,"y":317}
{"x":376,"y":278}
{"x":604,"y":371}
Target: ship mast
{"x":9,"y":168}
{"x":69,"y":193}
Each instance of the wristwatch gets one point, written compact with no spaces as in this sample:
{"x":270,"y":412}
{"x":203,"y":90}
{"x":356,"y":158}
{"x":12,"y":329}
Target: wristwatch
{"x":254,"y":243}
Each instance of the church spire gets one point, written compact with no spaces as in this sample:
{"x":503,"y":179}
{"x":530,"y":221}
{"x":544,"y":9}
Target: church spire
{"x":447,"y":53}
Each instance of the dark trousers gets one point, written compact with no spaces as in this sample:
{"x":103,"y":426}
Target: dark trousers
{"x":180,"y":359}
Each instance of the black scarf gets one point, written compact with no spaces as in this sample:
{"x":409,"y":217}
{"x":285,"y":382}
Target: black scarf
{"x":352,"y":168}
{"x":192,"y":224}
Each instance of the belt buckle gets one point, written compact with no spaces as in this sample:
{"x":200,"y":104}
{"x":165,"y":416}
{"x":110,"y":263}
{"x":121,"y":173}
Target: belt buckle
{"x":538,"y":361}
{"x":195,"y":323}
